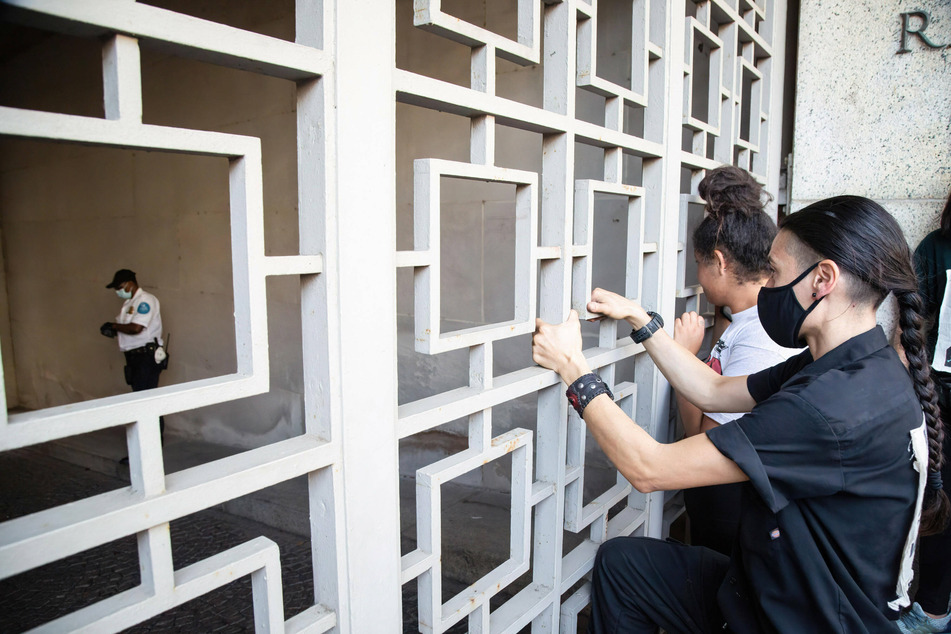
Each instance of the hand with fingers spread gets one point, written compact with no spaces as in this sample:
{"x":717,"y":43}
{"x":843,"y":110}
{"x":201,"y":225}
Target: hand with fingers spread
{"x":558,"y":347}
{"x":617,"y":307}
{"x":688,"y":331}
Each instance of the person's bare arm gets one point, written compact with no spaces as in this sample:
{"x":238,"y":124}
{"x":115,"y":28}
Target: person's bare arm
{"x":129,"y":329}
{"x":687,"y":374}
{"x":647,"y":464}
{"x":653,"y":466}
{"x":689,"y":330}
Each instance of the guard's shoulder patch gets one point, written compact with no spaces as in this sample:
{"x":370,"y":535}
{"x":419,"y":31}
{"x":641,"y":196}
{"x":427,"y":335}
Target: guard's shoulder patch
{"x":144,"y":308}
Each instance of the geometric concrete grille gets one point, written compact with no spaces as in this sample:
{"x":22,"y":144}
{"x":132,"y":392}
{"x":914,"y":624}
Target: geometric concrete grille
{"x":583,"y":244}
{"x":699,"y":85}
{"x":427,"y":190}
{"x":428,"y":15}
{"x":730,"y":105}
{"x":154,"y":497}
{"x":696,"y":87}
{"x":435,"y":616}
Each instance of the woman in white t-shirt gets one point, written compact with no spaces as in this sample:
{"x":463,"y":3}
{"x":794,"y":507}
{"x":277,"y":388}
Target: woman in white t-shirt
{"x":731,"y":246}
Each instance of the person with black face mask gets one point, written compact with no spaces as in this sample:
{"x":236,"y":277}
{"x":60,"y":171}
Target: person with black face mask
{"x":840,"y":450}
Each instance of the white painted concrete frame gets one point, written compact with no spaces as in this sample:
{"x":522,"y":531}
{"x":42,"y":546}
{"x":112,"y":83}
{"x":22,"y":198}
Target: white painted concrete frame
{"x":442,"y":408}
{"x":426,"y":561}
{"x":428,"y":15}
{"x":579,"y":516}
{"x":554,"y":121}
{"x":755,"y":114}
{"x":753,"y":48}
{"x":692,"y":292}
{"x":248,"y":264}
{"x":33,"y":540}
{"x":310,"y":455}
{"x":583,"y":243}
{"x":737,"y":30}
{"x":193,"y":37}
{"x":39,"y":538}
{"x":769,"y":57}
{"x":642,"y":50}
{"x":737,"y":39}
{"x":630,"y":520}
{"x":258,"y":557}
{"x":697,"y":30}
{"x":432,"y":93}
{"x":579,"y":562}
{"x":428,"y":173}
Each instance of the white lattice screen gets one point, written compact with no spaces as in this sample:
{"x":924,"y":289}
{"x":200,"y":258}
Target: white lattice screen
{"x":704,"y":89}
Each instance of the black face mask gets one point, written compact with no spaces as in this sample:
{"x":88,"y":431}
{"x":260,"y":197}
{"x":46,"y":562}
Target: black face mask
{"x":781,"y":313}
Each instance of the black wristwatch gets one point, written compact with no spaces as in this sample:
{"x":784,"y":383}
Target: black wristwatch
{"x":643,"y":334}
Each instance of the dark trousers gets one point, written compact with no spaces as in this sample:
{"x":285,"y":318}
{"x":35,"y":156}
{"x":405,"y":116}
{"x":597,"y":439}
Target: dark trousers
{"x":934,"y":551}
{"x":142,"y":373}
{"x":714,"y":515}
{"x":640,"y":583}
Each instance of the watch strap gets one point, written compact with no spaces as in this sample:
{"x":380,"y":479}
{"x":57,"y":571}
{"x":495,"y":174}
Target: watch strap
{"x":643,"y":334}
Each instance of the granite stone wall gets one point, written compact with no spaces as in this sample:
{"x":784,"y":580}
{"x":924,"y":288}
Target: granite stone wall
{"x":870,"y":120}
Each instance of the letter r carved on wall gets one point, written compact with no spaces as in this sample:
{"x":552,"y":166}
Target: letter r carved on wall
{"x":917,"y":29}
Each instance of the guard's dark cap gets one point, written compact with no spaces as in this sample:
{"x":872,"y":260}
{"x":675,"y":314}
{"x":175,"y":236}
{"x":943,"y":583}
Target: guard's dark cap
{"x":121,"y":277}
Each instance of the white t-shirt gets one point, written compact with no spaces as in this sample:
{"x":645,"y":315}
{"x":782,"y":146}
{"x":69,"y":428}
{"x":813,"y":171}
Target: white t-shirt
{"x":142,"y":309}
{"x":744,"y":348}
{"x":943,"y":344}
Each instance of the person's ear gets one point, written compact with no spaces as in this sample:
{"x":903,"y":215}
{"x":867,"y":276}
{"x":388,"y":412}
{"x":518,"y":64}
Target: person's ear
{"x":825,"y":279}
{"x":720,"y":261}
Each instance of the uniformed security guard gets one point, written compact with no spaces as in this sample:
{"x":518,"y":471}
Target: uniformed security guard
{"x":840,"y":450}
{"x":139,"y":330}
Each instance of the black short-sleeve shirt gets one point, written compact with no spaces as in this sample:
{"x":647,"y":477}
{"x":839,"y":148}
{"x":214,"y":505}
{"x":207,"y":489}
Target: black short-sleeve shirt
{"x":832,"y":491}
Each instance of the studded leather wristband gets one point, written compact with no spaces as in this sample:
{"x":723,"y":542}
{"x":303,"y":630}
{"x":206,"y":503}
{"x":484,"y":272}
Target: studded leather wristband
{"x":583,"y":390}
{"x":643,"y":334}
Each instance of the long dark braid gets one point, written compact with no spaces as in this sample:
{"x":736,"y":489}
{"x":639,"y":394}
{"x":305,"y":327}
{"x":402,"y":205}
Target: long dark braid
{"x":867,"y":242}
{"x":910,"y":309}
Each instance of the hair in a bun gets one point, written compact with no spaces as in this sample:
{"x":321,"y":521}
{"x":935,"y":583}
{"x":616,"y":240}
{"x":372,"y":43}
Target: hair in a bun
{"x":729,"y":189}
{"x":735,"y":223}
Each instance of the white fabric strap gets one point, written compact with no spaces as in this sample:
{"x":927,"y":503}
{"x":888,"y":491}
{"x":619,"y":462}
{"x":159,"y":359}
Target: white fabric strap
{"x":919,"y":449}
{"x":944,"y":330}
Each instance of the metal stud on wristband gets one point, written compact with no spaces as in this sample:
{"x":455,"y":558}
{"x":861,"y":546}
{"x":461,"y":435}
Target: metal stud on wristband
{"x":583,"y":390}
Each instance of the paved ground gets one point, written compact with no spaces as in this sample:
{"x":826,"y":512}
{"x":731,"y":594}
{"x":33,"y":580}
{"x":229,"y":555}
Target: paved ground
{"x":32,"y":482}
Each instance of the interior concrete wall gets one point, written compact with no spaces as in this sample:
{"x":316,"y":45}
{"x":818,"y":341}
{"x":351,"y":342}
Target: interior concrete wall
{"x":870,"y":121}
{"x":70,"y":216}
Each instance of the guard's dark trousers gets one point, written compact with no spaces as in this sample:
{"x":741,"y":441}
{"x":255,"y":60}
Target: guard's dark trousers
{"x":142,"y":373}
